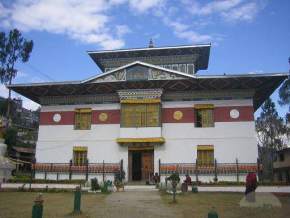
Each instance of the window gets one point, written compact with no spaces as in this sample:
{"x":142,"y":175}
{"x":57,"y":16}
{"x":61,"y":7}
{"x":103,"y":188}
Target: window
{"x":83,"y":118}
{"x":175,"y":67}
{"x":205,"y":155}
{"x":182,"y":68}
{"x":137,"y":73}
{"x":80,"y":155}
{"x":204,"y":116}
{"x":190,"y":69}
{"x":140,"y":115}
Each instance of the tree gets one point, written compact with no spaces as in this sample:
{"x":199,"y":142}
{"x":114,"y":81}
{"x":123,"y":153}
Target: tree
{"x":13,"y":48}
{"x":284,"y":93}
{"x":10,"y":138}
{"x":270,"y":128}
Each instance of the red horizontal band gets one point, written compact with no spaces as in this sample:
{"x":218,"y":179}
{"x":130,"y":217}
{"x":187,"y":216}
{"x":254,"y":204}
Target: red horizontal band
{"x":169,"y":115}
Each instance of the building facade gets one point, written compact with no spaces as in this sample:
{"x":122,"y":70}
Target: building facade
{"x":281,"y":166}
{"x":152,"y":110}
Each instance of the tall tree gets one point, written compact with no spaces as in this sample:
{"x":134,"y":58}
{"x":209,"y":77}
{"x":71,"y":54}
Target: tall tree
{"x":271,"y":128}
{"x":284,"y":93}
{"x":13,"y":48}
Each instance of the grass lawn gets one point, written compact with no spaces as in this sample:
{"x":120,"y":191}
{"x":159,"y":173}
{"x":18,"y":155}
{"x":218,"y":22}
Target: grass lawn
{"x":226,"y":204}
{"x":137,"y":204}
{"x":19,"y":204}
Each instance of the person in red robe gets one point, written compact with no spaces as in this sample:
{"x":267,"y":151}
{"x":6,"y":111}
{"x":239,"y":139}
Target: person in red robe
{"x":251,"y":185}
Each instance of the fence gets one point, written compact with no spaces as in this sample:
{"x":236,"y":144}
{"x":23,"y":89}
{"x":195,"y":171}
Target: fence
{"x":217,"y":169}
{"x":70,"y":169}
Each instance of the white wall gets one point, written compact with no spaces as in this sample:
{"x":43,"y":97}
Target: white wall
{"x":231,"y":140}
{"x":148,"y":132}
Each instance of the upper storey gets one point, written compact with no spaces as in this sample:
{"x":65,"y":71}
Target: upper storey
{"x":185,"y":59}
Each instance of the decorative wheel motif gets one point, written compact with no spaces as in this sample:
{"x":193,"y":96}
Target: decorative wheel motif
{"x":103,"y":117}
{"x":56,"y":118}
{"x":234,"y":113}
{"x":177,"y":115}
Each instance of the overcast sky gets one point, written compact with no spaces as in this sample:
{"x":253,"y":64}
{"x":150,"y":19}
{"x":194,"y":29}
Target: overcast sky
{"x":246,"y":36}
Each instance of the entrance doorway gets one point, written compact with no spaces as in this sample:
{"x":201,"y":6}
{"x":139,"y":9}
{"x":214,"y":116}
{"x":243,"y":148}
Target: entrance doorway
{"x":136,"y":165}
{"x":141,"y":165}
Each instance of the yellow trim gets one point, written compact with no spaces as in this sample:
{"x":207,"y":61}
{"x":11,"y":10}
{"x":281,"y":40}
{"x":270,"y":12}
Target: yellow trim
{"x":141,"y":101}
{"x":140,"y":148}
{"x":204,"y":106}
{"x":80,"y":148}
{"x":132,"y":140}
{"x":205,"y":147}
{"x":83,"y":110}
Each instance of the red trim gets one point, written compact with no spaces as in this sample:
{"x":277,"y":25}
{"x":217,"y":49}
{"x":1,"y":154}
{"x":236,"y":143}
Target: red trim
{"x":221,"y":114}
{"x":67,"y":118}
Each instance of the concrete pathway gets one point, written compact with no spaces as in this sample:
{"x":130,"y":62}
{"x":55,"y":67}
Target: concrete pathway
{"x":142,"y":204}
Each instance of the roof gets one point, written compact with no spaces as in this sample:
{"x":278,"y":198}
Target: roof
{"x":197,"y":54}
{"x":263,"y":85}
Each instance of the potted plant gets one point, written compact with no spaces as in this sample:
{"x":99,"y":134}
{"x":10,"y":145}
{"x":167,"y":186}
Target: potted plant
{"x":118,"y":180}
{"x":119,"y":185}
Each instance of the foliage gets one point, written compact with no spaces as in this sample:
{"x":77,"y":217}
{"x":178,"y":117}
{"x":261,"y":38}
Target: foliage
{"x":94,"y":184}
{"x":270,"y":127}
{"x":174,"y":177}
{"x":118,"y":178}
{"x":12,"y":48}
{"x":284,"y":93}
{"x":3,"y":107}
{"x":105,"y":186}
{"x":10,"y":137}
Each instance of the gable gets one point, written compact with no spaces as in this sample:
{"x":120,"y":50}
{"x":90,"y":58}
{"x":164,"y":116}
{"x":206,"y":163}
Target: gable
{"x":138,"y":72}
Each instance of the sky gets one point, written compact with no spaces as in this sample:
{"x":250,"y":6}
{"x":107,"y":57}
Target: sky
{"x":246,"y":35}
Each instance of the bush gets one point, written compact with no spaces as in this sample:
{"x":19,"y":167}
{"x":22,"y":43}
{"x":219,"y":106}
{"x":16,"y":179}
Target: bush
{"x":94,"y":184}
{"x":106,"y":187}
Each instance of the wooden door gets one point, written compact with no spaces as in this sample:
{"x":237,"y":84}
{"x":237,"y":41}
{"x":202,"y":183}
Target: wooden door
{"x":147,"y":165}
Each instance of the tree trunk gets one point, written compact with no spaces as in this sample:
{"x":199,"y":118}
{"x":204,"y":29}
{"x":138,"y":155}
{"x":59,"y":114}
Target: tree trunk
{"x":8,"y":104}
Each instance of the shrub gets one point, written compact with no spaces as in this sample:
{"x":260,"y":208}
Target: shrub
{"x":94,"y":184}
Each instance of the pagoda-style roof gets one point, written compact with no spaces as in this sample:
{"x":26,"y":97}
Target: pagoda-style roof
{"x":187,"y":54}
{"x":140,"y":75}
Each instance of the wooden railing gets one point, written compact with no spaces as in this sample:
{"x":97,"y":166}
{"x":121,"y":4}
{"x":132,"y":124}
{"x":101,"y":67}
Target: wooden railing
{"x":66,"y":167}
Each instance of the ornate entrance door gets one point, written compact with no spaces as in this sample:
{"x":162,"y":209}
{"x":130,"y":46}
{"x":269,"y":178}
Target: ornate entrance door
{"x":147,"y":165}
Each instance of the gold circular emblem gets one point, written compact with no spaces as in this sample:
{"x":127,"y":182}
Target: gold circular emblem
{"x":103,"y":117}
{"x":177,"y":115}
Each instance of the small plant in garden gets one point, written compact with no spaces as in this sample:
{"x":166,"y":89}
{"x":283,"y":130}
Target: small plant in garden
{"x":105,"y":188}
{"x":118,"y":180}
{"x":175,"y":179}
{"x":94,"y":184}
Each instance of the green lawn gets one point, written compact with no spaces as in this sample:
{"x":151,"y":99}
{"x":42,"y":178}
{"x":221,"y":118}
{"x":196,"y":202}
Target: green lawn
{"x":19,"y":204}
{"x":226,"y":204}
{"x":138,"y":204}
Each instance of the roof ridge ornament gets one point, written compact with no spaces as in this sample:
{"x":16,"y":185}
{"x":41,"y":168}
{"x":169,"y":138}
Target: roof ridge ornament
{"x":151,"y":44}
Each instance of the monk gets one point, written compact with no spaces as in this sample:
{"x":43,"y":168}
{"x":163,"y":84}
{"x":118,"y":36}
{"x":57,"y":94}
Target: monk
{"x":251,"y":185}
